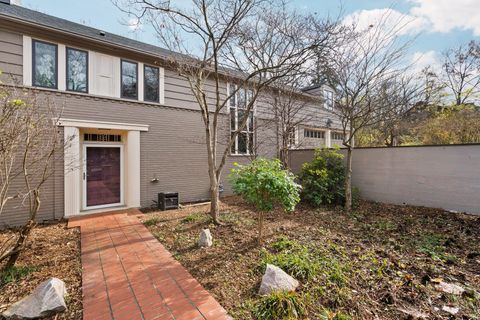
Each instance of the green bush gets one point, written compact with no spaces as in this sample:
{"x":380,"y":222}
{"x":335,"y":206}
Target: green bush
{"x":265,"y":183}
{"x":323,"y":179}
{"x":14,"y":274}
{"x":280,"y":306}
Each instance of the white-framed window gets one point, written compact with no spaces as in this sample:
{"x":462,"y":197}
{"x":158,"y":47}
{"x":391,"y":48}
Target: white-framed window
{"x":328,"y":99}
{"x":314,"y":133}
{"x":244,"y":140}
{"x":337,"y":135}
{"x":292,"y":137}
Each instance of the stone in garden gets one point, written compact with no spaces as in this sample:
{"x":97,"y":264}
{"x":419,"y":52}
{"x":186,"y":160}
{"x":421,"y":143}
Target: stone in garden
{"x":206,"y":239}
{"x":449,"y":288}
{"x":46,"y":300}
{"x":451,"y":310}
{"x":275,"y":279}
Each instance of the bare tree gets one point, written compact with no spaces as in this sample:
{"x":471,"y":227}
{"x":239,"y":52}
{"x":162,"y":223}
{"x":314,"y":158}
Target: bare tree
{"x":358,"y":69}
{"x":247,"y":43}
{"x":461,"y":68}
{"x":28,"y":143}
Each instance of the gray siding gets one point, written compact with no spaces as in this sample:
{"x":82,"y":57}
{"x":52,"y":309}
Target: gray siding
{"x":11,"y":52}
{"x":445,"y":177}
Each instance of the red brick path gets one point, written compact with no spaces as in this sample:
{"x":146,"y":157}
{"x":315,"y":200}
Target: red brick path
{"x":128,"y":274}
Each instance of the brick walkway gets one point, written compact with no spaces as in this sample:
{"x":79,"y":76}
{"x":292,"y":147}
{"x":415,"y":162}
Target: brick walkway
{"x":128,"y":274}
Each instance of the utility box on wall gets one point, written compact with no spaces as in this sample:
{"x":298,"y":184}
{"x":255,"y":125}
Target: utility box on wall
{"x":168,"y":200}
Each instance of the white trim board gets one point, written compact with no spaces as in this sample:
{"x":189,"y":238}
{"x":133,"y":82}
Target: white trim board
{"x":92,"y":124}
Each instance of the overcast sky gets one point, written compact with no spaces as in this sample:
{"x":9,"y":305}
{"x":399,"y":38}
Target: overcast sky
{"x":437,"y":24}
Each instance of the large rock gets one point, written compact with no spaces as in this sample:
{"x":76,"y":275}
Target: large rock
{"x":47,"y":299}
{"x":275,"y":279}
{"x":206,"y":239}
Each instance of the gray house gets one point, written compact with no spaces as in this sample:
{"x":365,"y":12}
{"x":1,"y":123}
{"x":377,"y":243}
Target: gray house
{"x":137,"y":127}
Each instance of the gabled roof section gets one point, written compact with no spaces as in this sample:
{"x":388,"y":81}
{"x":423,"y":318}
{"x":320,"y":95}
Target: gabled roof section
{"x":48,"y":21}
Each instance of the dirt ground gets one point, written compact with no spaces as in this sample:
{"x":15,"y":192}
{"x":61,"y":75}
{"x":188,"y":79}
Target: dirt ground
{"x":379,"y":262}
{"x":52,"y":251}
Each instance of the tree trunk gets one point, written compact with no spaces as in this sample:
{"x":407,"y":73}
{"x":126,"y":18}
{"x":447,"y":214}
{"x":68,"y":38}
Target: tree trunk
{"x":19,"y":245}
{"x":348,"y":180}
{"x":261,"y":215}
{"x":215,"y":202}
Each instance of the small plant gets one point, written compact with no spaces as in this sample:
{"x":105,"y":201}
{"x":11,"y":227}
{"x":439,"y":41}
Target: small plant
{"x":280,"y":306}
{"x":195,"y":217}
{"x":297,"y":263}
{"x":331,"y":315}
{"x":151,"y":221}
{"x":265,"y":184}
{"x":14,"y":274}
{"x":432,"y":245}
{"x":283,"y":243}
{"x":323,"y":179}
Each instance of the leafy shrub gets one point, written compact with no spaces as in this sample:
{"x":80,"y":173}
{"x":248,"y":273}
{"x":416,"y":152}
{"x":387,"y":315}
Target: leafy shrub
{"x":284,"y":243}
{"x":265,"y":184}
{"x":280,"y":306}
{"x":323,"y":179}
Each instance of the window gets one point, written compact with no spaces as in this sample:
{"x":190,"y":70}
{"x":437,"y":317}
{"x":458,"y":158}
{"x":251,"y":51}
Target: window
{"x":45,"y":64}
{"x":244,"y":141}
{"x":292,"y":137}
{"x":328,"y":96}
{"x":312,"y":133}
{"x":151,"y":84}
{"x":337,"y":136}
{"x":102,"y":137}
{"x":77,"y":70}
{"x":129,"y":71}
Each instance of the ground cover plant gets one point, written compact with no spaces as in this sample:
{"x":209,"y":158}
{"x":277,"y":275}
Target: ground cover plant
{"x":52,"y":251}
{"x":378,"y":262}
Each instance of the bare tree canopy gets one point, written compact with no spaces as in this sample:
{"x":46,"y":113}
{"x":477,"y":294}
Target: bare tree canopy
{"x":248,"y":43}
{"x":461,"y":68}
{"x":358,"y":69}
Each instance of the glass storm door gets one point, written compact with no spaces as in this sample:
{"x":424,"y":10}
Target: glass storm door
{"x":103,"y":176}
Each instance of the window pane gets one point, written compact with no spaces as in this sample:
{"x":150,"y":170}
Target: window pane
{"x":250,"y":122}
{"x":44,"y":65}
{"x":234,"y":145}
{"x":232,"y":120}
{"x":250,"y":143}
{"x":151,"y":84}
{"x":77,"y":70}
{"x":232,"y":99}
{"x":241,"y":114}
{"x":241,"y":98}
{"x":242,"y":143}
{"x":129,"y":80}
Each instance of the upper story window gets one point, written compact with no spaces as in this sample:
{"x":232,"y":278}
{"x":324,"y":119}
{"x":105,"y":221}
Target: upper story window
{"x":311,"y":133}
{"x":45,"y":64}
{"x":77,"y":70}
{"x":329,"y":102}
{"x":244,"y":141}
{"x":337,"y":136}
{"x":151,"y":84}
{"x":129,"y":76}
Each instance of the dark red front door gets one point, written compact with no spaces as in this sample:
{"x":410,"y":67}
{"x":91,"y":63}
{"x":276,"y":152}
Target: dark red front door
{"x":103,"y":176}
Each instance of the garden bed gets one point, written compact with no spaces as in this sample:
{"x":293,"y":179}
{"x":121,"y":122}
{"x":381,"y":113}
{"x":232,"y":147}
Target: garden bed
{"x":52,"y":251}
{"x":379,"y":262}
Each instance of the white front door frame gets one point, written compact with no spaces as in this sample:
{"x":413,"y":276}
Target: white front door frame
{"x":73,"y":166}
{"x":85,"y":177}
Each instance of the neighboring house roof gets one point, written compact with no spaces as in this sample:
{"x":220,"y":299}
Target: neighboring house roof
{"x":45,"y":20}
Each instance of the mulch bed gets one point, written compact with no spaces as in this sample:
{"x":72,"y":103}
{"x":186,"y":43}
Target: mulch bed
{"x":52,"y":251}
{"x":390,"y":257}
